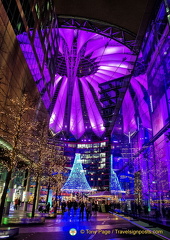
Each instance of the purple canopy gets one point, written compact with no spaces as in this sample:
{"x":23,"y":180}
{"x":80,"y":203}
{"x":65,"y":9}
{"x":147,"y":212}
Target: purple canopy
{"x":81,"y":61}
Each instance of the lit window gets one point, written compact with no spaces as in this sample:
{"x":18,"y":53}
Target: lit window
{"x":103,"y":144}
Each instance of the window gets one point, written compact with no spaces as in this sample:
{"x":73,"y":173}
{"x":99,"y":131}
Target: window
{"x":102,"y":144}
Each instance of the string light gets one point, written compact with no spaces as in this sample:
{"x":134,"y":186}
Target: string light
{"x":114,"y":182}
{"x":27,"y":143}
{"x":77,"y":181}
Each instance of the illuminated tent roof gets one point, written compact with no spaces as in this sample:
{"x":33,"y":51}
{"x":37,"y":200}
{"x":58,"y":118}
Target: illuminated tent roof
{"x":136,"y":104}
{"x":81,"y":60}
{"x":85,"y":60}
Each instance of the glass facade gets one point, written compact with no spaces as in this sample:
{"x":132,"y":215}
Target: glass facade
{"x":16,"y":82}
{"x":150,"y":143}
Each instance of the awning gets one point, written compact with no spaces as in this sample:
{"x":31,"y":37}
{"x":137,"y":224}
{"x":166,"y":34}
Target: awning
{"x":104,"y":194}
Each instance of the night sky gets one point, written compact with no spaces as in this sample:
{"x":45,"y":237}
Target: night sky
{"x":127,"y":14}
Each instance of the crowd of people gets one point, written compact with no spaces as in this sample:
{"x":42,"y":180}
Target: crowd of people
{"x":88,"y":207}
{"x":92,"y":207}
{"x":85,"y":208}
{"x":44,"y":209}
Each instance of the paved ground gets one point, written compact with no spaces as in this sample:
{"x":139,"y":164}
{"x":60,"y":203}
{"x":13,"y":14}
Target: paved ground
{"x":104,"y":226}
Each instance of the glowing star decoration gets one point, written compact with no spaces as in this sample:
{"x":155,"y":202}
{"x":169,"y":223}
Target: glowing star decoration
{"x":77,"y":181}
{"x":81,"y":61}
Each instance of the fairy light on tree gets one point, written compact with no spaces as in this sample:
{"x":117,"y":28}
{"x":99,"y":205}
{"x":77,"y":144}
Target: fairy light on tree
{"x":77,"y":181}
{"x":15,"y":126}
{"x":54,"y":169}
{"x":46,"y":160}
{"x":39,"y":156}
{"x":57,"y":181}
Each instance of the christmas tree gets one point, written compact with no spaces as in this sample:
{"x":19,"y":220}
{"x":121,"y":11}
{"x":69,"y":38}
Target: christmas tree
{"x":76,"y":181}
{"x":114,"y":181}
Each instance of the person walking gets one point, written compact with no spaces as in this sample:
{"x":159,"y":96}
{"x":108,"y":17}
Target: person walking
{"x":19,"y":202}
{"x":16,"y":203}
{"x":75,"y":205}
{"x":55,"y":207}
{"x":88,"y":210}
{"x":63,"y":207}
{"x":48,"y":207}
{"x":69,"y":206}
{"x":95,"y":208}
{"x":82,"y":206}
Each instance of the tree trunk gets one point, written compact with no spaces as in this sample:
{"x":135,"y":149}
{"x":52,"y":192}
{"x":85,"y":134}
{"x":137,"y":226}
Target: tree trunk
{"x":9,"y":199}
{"x":35,"y":197}
{"x":57,"y":199}
{"x":48,"y":191}
{"x":38,"y":196}
{"x":3,"y":197}
{"x":56,"y":195}
{"x":27,"y":186}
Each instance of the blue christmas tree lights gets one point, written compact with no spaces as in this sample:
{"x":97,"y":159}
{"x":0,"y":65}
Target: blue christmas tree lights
{"x":114,"y":181}
{"x":77,"y":181}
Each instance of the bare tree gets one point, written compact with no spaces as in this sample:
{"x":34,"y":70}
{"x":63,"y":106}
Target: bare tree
{"x":48,"y":160}
{"x":16,"y":126}
{"x":39,"y":154}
